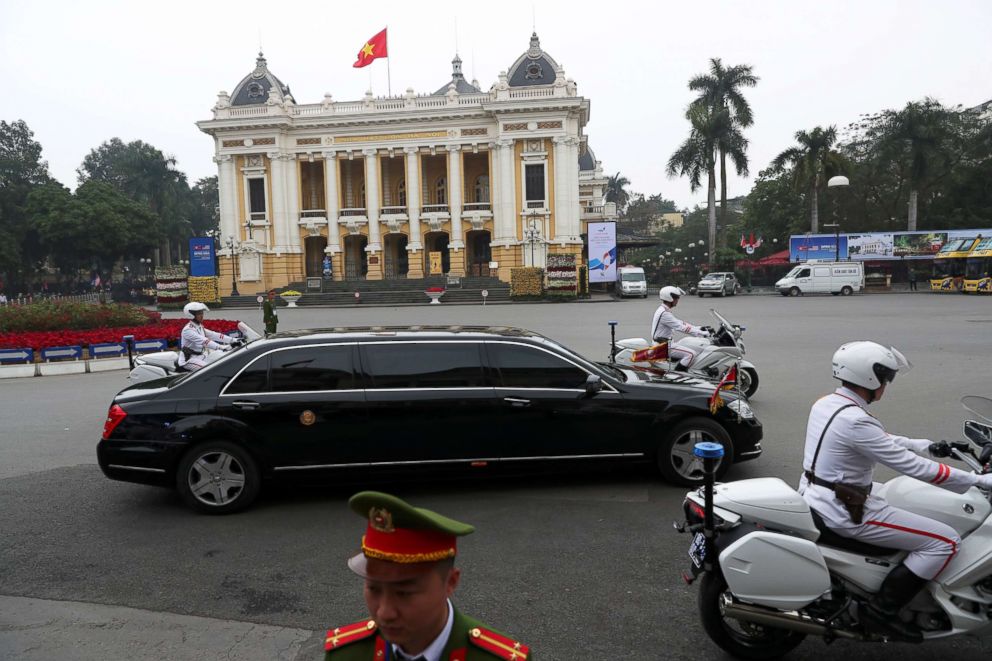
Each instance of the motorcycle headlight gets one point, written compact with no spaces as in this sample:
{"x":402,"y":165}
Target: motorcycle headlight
{"x":741,"y":408}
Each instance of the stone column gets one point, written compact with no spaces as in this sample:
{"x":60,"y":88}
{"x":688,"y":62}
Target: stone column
{"x":227,"y":187}
{"x":278,"y":202}
{"x":572,"y":175}
{"x":290,"y":241}
{"x":560,"y":192}
{"x":374,"y":248}
{"x":456,"y":243}
{"x":414,"y":247}
{"x":505,"y":213}
{"x":332,"y":203}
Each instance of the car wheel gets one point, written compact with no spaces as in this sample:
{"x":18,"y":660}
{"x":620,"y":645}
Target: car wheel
{"x":218,"y":477}
{"x":742,"y":640}
{"x":702,"y":295}
{"x":676,"y":460}
{"x":794,"y":291}
{"x":846,"y":291}
{"x":749,"y":381}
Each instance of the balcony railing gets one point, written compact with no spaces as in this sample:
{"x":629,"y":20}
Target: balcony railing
{"x":435,"y":208}
{"x":313,"y":213}
{"x":388,"y":211}
{"x":353,"y":211}
{"x":597,"y":211}
{"x":478,"y":206}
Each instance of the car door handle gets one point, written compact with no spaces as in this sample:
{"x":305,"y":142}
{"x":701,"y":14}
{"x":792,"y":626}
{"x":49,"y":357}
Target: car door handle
{"x":514,"y":401}
{"x":245,"y":405}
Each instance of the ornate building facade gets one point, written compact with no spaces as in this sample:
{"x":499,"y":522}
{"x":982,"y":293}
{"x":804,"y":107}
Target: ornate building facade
{"x":460,"y":181}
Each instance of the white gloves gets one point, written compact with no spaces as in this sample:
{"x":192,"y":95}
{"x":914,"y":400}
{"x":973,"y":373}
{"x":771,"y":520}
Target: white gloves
{"x":985,"y":481}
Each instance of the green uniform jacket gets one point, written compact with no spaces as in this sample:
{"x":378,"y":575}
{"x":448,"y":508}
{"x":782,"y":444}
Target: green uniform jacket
{"x":460,"y":647}
{"x":269,"y":317}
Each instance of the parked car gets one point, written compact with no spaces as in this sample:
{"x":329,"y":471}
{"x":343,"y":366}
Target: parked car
{"x":322,"y":405}
{"x":718,"y":284}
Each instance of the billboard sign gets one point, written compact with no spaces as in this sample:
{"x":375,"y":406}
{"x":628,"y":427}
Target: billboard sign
{"x":876,"y":245}
{"x":804,"y":247}
{"x":602,"y":252}
{"x":201,"y":257}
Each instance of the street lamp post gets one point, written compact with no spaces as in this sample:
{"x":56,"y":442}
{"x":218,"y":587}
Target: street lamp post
{"x":835,"y":182}
{"x":532,"y":236}
{"x":231,"y":245}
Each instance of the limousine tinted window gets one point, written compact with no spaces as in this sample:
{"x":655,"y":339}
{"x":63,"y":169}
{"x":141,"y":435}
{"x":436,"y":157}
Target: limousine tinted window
{"x":252,"y":379}
{"x":423,"y":365}
{"x":312,"y":368}
{"x":527,"y":367}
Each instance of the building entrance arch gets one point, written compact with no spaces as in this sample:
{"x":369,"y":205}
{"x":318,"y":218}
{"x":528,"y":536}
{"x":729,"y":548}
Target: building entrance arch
{"x":397,"y":261}
{"x":478,"y":252}
{"x":356,"y":260}
{"x":436,"y":242}
{"x":315,"y":256}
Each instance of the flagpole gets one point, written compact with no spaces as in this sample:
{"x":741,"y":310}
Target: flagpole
{"x":389,"y":75}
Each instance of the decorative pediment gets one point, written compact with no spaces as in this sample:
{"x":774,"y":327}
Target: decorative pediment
{"x":353,"y":226}
{"x":478,"y":222}
{"x":436,"y":224}
{"x":393,"y":225}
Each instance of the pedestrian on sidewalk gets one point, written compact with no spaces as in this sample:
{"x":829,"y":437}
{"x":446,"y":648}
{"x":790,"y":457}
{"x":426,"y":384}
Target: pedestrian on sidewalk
{"x":912,"y":279}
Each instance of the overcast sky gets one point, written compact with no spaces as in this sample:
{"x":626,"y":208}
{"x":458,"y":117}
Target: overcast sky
{"x":81,"y":73}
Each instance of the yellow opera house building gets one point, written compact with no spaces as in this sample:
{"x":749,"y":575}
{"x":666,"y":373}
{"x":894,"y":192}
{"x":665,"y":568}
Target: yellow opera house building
{"x":461,"y":182}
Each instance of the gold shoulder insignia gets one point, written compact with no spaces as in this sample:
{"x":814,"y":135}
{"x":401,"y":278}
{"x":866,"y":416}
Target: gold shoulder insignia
{"x":498,"y":644}
{"x":351,"y":633}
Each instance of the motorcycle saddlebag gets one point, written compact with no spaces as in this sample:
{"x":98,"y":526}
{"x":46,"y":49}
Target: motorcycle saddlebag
{"x":774,"y":570}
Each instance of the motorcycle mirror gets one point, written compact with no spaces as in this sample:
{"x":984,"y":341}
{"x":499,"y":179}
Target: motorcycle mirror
{"x":980,"y":406}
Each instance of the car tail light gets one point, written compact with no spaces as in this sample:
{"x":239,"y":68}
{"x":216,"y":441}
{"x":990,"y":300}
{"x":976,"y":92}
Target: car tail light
{"x":115,"y":417}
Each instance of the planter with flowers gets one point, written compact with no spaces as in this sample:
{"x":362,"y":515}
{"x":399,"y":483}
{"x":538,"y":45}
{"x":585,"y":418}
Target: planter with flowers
{"x":291,"y":296}
{"x":435,"y":294}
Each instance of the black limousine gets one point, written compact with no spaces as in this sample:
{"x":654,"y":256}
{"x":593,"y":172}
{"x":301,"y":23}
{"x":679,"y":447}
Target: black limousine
{"x":319,"y":405}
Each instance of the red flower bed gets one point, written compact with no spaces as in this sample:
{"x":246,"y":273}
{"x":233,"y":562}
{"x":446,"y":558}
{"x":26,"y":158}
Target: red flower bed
{"x":168,"y":329}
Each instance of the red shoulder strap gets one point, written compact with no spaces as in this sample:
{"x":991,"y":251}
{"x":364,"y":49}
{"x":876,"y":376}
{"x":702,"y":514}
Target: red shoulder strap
{"x":350,"y":633}
{"x":498,"y":644}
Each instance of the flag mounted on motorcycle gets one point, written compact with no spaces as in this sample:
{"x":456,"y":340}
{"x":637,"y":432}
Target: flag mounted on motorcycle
{"x":651,"y":354}
{"x":728,"y":382}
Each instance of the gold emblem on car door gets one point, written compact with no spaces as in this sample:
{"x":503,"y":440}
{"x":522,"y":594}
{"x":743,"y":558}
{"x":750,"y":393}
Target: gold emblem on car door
{"x":308,"y":417}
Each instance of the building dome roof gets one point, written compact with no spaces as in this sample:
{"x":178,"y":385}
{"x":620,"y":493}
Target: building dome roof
{"x":462,"y":86}
{"x":587,"y":159}
{"x":254,"y":88}
{"x":534,"y":67}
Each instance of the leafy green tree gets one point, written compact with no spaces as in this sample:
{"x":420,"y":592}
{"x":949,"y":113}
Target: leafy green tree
{"x":812,"y":163}
{"x":616,"y":191}
{"x":205,"y":203}
{"x":21,"y":171}
{"x":697,"y":155}
{"x":720,"y":89}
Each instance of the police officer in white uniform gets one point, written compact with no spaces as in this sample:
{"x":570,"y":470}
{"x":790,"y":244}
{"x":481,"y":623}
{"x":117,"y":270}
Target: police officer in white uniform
{"x":843,"y":445}
{"x":196,"y":339}
{"x":664,"y":324}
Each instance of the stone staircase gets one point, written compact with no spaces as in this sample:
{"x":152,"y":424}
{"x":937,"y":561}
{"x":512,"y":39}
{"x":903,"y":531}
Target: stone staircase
{"x":388,"y":292}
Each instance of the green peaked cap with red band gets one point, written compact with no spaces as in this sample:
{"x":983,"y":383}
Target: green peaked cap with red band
{"x":399,"y":532}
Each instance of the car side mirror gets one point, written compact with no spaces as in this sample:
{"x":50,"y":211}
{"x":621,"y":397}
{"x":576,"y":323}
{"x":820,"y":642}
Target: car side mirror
{"x":594,"y":384}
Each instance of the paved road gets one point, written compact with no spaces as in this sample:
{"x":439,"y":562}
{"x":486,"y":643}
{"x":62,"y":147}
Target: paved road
{"x":579,"y":566}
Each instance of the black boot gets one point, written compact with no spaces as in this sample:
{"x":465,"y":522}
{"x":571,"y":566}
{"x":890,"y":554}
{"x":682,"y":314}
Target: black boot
{"x":679,"y":367}
{"x":881,"y":615}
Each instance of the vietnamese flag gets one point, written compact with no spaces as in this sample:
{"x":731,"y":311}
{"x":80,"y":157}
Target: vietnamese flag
{"x":373,"y":49}
{"x":651,"y":354}
{"x":728,"y":382}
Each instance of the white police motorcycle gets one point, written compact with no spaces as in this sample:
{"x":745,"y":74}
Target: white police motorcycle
{"x":166,"y":363}
{"x":772,"y":573}
{"x":712,"y":356}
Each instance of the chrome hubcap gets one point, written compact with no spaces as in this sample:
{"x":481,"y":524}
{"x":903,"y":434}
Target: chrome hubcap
{"x":216,"y":478}
{"x":685,"y":462}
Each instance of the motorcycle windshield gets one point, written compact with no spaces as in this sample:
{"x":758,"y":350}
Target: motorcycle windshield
{"x":728,"y":327}
{"x":980,"y":406}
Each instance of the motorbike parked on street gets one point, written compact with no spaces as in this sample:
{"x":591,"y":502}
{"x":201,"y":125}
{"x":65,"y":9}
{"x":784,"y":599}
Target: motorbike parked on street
{"x":777,"y":574}
{"x":166,"y":363}
{"x":711,"y":356}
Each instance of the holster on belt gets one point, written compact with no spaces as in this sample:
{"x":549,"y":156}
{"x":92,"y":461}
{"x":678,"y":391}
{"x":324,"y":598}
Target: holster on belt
{"x":851,"y":496}
{"x":189,"y":353}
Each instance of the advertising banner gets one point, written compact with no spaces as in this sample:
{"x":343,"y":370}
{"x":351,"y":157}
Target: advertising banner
{"x":876,"y":245}
{"x":803,"y":247}
{"x":602,"y":252}
{"x":201,"y":257}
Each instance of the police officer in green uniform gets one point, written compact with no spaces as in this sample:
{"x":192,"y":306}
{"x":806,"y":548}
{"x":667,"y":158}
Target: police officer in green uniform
{"x":268,"y":314}
{"x":408,"y":563}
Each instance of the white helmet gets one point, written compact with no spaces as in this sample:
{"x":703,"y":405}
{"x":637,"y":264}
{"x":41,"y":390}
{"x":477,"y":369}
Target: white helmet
{"x":191,"y":309}
{"x":668,"y":294}
{"x":868,"y":364}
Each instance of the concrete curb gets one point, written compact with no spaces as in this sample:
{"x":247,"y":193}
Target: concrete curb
{"x":72,"y":367}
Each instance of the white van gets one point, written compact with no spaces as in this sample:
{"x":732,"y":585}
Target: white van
{"x":632,"y":281}
{"x":813,"y":277}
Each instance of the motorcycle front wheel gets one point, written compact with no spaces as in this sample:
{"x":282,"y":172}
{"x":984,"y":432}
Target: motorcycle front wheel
{"x":742,"y":640}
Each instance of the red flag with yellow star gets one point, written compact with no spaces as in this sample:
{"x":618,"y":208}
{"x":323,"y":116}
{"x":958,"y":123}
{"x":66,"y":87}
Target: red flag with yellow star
{"x":373,"y":49}
{"x":728,"y":382}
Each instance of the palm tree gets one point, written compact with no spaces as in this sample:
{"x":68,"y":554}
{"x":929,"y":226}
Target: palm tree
{"x":922,"y":133}
{"x":720,"y":90}
{"x":812,"y":162}
{"x":616,"y":191}
{"x":698,"y":155}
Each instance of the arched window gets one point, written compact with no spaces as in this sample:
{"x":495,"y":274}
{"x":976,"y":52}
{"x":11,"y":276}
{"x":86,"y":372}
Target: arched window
{"x":401,"y":192}
{"x":482,"y":189}
{"x":441,"y":191}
